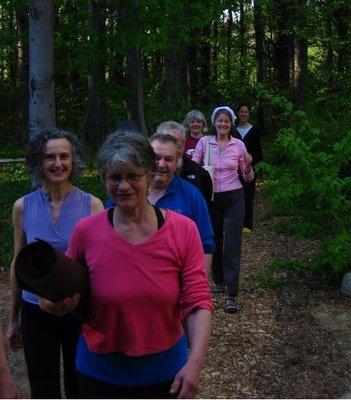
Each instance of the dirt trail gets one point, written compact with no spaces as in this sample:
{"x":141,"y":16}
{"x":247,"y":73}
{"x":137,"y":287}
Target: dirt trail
{"x":295,"y":343}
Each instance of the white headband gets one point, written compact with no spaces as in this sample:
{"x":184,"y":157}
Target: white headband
{"x":223,"y":108}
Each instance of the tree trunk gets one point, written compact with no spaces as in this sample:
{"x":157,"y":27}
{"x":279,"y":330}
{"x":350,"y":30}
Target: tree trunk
{"x":134,"y":67}
{"x":342,"y":16}
{"x":22,"y":78}
{"x":300,"y":72}
{"x":229,"y":46}
{"x":175,"y":72}
{"x":242,"y":43}
{"x":191,"y":69}
{"x":300,"y":57}
{"x":205,"y":64}
{"x":135,"y":96}
{"x":283,"y":46}
{"x":259,"y":41}
{"x":259,"y":47}
{"x":41,"y":66}
{"x":95,"y":124}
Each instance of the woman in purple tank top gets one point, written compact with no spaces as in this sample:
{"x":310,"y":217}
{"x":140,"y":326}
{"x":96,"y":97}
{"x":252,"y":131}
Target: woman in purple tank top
{"x":49,"y":213}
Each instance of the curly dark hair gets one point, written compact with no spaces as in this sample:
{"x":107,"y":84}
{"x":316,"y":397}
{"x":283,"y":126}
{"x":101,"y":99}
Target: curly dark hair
{"x":36,"y":147}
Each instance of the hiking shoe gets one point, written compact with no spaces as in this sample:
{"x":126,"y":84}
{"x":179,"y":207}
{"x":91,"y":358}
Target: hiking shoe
{"x":217,"y":289}
{"x":230,"y":305}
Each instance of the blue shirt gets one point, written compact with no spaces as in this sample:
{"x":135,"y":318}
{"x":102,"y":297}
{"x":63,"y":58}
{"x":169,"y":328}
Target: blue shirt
{"x":118,"y":369}
{"x":38,"y":223}
{"x":185,"y":198}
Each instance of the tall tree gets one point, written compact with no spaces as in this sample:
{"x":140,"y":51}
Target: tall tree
{"x":229,"y":41}
{"x":134,"y":65}
{"x":22,"y":53}
{"x":300,"y":55}
{"x":342,"y":21}
{"x":41,"y":66}
{"x":283,"y":44}
{"x":259,"y":54}
{"x":95,"y":123}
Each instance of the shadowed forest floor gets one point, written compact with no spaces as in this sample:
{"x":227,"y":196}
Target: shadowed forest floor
{"x":291,"y":342}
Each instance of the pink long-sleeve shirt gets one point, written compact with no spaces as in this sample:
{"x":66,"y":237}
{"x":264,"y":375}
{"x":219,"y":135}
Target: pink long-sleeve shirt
{"x":226,"y":163}
{"x":140,"y":293}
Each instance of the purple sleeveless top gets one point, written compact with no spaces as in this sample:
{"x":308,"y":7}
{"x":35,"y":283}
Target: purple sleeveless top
{"x":38,"y":223}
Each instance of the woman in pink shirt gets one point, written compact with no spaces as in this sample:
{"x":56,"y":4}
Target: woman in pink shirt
{"x":228,"y":156}
{"x":148,"y":281}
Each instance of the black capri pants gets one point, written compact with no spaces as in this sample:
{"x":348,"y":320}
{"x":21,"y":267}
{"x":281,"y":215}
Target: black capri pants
{"x":44,"y":336}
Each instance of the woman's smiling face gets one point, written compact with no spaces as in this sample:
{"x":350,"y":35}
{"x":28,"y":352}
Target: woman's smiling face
{"x":57,"y":161}
{"x":223,"y":125}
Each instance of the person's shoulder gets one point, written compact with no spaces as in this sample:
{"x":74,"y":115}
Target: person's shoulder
{"x":32,"y":195}
{"x":192,"y":194}
{"x":188,"y":187}
{"x":176,"y":219}
{"x":96,"y":205}
{"x":18,"y":205}
{"x":197,"y":169}
{"x":92,"y":221}
{"x":239,"y":143}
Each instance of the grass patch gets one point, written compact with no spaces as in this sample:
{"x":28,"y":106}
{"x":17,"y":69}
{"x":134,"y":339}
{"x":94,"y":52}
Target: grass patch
{"x":280,"y":273}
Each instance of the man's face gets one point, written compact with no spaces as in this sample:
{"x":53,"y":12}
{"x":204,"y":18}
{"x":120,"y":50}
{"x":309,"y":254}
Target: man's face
{"x":167,"y":161}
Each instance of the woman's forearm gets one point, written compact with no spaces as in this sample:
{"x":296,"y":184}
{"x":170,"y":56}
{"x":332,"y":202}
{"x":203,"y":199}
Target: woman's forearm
{"x":15,"y":304}
{"x":198,"y":328}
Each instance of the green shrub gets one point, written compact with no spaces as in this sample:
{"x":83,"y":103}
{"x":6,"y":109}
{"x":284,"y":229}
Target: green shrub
{"x":308,"y":178}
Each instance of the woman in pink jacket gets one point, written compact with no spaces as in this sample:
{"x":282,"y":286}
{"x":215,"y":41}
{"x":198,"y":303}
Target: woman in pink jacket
{"x":228,"y":156}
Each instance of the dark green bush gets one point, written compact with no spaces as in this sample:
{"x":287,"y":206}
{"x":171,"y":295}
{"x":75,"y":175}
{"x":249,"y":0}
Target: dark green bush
{"x":308,"y":178}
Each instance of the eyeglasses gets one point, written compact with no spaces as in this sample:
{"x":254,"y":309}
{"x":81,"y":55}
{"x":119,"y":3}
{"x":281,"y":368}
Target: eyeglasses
{"x":132,"y":178}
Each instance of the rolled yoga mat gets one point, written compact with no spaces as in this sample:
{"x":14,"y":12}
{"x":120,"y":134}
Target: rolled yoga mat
{"x":50,"y":274}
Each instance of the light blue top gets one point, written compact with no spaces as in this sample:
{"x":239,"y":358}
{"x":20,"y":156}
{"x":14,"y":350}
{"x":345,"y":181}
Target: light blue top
{"x":243,"y":131}
{"x":185,"y":198}
{"x":38,"y":223}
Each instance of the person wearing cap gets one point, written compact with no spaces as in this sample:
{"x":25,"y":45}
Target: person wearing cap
{"x":229,"y":157}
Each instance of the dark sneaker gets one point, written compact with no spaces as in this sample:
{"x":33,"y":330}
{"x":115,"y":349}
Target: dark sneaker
{"x":217,"y":289}
{"x":230,"y":305}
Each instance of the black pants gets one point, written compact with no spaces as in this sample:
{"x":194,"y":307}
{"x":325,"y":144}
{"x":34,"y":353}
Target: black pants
{"x":249,"y":192}
{"x":227,"y":216}
{"x":90,"y":388}
{"x":43,"y":336}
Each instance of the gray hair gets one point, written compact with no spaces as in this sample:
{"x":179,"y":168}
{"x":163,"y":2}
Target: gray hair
{"x":170,"y":126}
{"x":194,"y":114}
{"x":126,"y":147}
{"x":164,"y":138}
{"x":36,"y":148}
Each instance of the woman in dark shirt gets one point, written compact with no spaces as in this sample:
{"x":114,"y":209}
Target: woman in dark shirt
{"x":250,"y":135}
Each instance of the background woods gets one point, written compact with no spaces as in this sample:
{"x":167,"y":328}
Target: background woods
{"x":153,"y":60}
{"x":132,"y":59}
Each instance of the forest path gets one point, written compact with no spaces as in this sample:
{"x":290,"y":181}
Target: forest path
{"x":289,"y":343}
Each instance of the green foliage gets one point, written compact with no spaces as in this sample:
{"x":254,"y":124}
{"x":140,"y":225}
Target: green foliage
{"x":13,"y":184}
{"x":309,"y":180}
{"x":278,"y":273}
